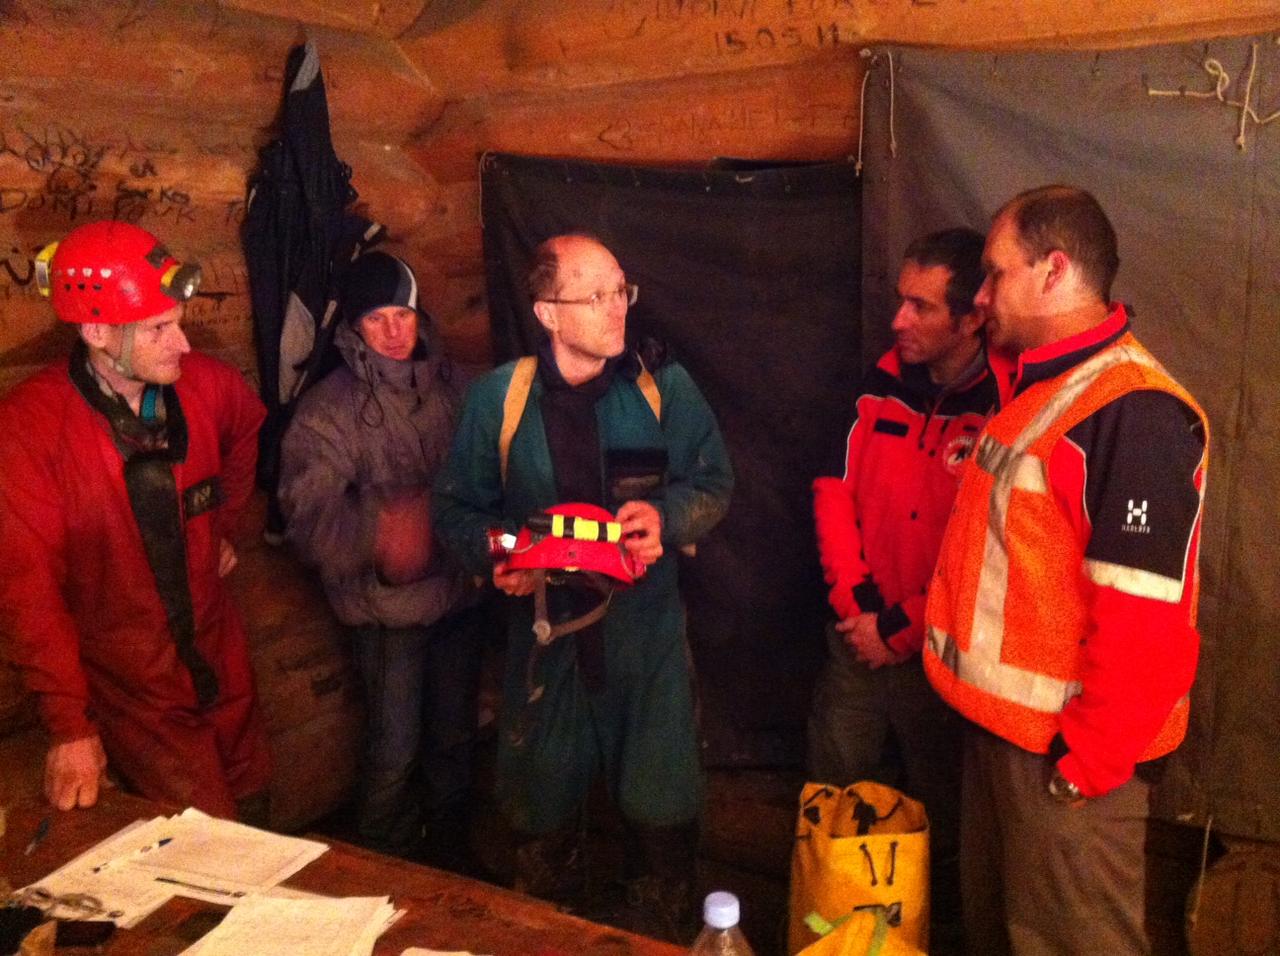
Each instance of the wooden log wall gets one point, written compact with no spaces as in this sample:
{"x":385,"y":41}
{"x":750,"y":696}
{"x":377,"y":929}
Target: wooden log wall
{"x":153,"y":111}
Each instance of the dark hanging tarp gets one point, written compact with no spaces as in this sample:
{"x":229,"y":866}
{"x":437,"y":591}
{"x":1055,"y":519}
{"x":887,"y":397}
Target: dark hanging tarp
{"x":1198,"y":218}
{"x":297,"y":232}
{"x":751,"y":278}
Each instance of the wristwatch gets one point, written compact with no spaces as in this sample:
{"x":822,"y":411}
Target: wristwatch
{"x":1063,"y":790}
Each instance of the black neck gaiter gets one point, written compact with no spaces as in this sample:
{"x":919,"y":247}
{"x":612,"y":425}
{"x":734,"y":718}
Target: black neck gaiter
{"x":150,"y":450}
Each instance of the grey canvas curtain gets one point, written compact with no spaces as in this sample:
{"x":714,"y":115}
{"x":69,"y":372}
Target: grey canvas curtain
{"x":1197,"y":218}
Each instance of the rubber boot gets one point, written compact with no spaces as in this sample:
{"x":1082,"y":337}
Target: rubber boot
{"x":660,"y":899}
{"x":550,"y":867}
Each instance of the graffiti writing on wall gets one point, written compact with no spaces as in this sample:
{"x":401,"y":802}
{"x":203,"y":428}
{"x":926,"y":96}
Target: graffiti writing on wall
{"x":132,"y":202}
{"x":64,"y":173}
{"x":223,"y":280}
{"x":745,"y":26}
{"x":18,"y":268}
{"x":738,"y":120}
{"x":634,"y":12}
{"x":66,"y":164}
{"x":675,"y":11}
{"x":817,"y":36}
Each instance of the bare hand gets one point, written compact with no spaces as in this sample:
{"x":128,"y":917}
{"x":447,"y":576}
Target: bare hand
{"x":641,"y":531}
{"x":863,"y":637}
{"x":402,"y":538}
{"x":516,"y":583}
{"x":74,"y":771}
{"x":226,"y":557}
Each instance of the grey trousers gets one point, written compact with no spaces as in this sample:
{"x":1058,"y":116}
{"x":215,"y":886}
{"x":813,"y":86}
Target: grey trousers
{"x":1040,"y":877}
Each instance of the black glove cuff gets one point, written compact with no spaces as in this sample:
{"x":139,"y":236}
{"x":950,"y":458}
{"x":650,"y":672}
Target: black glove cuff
{"x":867,"y":594}
{"x":890,"y":621}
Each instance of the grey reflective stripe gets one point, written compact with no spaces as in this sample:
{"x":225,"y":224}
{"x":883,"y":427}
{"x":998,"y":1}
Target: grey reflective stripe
{"x":1011,"y":467}
{"x":1025,"y":472}
{"x":1027,"y":688}
{"x":1139,"y":583}
{"x":1081,"y":377}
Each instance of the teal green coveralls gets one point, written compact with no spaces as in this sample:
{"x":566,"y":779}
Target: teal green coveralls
{"x":638,"y":730}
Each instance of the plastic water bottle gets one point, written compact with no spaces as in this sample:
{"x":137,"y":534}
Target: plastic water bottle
{"x":720,"y":935}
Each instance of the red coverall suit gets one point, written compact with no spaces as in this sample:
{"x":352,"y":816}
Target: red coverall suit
{"x":84,"y":614}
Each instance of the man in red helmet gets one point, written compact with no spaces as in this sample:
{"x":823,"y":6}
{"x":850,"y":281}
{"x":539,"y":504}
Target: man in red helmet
{"x":123,"y":470}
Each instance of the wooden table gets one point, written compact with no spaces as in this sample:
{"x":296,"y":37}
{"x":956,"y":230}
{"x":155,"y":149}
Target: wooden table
{"x":443,"y":911}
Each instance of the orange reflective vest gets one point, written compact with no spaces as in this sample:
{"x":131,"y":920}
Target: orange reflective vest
{"x":1008,"y":607}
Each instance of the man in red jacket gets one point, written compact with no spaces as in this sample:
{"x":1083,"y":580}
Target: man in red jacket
{"x":879,"y":527}
{"x":123,"y":470}
{"x":1061,"y":619}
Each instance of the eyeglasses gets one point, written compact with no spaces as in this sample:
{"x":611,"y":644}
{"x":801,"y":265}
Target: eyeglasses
{"x":65,"y":906}
{"x":597,"y":300}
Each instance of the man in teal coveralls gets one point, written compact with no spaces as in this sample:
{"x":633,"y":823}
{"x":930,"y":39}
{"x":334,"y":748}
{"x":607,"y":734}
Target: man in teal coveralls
{"x":616,"y":697}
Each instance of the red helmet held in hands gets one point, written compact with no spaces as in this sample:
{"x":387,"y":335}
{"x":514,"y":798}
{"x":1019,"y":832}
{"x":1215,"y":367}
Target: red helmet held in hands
{"x":114,"y":273}
{"x":574,"y":537}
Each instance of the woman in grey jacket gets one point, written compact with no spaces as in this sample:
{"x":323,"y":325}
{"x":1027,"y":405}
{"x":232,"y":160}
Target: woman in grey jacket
{"x":358,"y":463}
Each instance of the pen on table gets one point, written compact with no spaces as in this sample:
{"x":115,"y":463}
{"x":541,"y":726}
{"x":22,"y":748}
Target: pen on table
{"x":106,"y":864}
{"x":42,"y":831}
{"x":235,"y":894}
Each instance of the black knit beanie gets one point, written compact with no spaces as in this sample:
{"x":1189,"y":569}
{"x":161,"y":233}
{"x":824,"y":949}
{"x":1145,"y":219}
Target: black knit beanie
{"x":374,"y":280}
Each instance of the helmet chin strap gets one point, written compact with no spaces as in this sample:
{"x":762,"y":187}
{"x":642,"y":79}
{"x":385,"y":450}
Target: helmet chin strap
{"x":123,"y":364}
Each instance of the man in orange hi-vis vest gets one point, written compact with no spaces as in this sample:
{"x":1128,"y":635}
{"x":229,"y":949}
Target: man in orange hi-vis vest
{"x":1061,"y":617}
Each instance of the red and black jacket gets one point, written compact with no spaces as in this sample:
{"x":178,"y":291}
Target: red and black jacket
{"x":879,"y":526}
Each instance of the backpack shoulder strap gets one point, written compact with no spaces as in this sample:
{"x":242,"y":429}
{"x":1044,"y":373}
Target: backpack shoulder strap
{"x":513,"y":407}
{"x":649,"y":389}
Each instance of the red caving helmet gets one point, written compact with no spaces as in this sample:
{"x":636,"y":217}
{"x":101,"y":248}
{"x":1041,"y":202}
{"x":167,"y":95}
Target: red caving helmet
{"x":112,"y":272}
{"x":554,"y":553}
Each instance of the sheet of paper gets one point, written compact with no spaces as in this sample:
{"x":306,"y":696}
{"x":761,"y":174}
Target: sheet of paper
{"x":266,"y":926}
{"x":215,"y":859}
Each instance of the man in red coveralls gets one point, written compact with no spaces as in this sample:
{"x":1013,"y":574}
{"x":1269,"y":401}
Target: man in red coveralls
{"x":123,"y":470}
